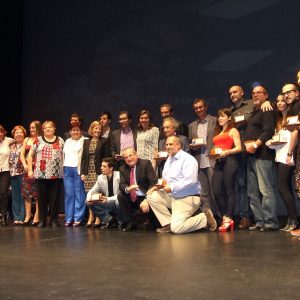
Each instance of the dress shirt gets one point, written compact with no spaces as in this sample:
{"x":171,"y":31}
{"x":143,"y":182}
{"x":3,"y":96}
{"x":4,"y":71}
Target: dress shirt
{"x":202,"y":133}
{"x":139,"y":193}
{"x":181,"y":174}
{"x":126,"y":139}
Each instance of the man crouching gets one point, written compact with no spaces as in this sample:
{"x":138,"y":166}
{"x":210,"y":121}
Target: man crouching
{"x":180,"y":192}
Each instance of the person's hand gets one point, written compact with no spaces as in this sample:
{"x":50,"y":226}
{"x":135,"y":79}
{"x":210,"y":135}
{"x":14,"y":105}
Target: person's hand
{"x":223,"y":154}
{"x":132,"y":187}
{"x":269,"y":143}
{"x":144,"y":206}
{"x":151,"y":190}
{"x":195,"y":147}
{"x":30,"y":174}
{"x":103,"y":198}
{"x":82,"y":177}
{"x":167,"y":189}
{"x":289,"y":160}
{"x":25,"y":168}
{"x":250,"y":148}
{"x":266,"y":106}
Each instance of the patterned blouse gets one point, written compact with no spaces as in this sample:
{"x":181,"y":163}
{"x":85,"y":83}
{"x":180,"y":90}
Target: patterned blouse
{"x":15,"y":164}
{"x":49,"y":158}
{"x":147,"y":143}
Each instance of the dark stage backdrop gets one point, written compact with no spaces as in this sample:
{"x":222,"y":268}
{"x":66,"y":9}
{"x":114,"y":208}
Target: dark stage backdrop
{"x":89,"y":56}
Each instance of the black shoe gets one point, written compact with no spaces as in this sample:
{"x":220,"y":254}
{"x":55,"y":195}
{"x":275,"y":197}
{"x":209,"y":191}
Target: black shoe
{"x":4,"y":218}
{"x":55,"y":223}
{"x":111,"y":224}
{"x":41,"y":224}
{"x":121,"y":226}
{"x":35,"y":223}
{"x":268,"y":229}
{"x":97,"y":225}
{"x":130,"y":227}
{"x":256,"y":228}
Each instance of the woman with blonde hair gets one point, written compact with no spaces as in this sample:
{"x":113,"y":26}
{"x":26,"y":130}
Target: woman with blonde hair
{"x":29,"y":187}
{"x":94,"y":150}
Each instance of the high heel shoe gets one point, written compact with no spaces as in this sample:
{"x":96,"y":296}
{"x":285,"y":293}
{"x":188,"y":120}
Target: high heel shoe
{"x":27,"y":223}
{"x":226,"y":225}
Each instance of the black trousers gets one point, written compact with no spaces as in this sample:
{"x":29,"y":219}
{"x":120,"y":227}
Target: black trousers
{"x":48,"y":190}
{"x":4,"y":184}
{"x":129,"y":209}
{"x":223,"y":184}
{"x":285,"y":175}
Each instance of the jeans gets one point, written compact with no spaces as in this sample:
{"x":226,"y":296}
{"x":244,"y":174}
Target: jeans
{"x":74,"y":195}
{"x":103,"y":209}
{"x":261,"y":181}
{"x":241,"y":186}
{"x":18,"y":206}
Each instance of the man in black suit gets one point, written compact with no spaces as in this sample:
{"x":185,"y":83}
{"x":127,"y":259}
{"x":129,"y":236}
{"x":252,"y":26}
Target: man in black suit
{"x":124,"y":137}
{"x":137,"y":176}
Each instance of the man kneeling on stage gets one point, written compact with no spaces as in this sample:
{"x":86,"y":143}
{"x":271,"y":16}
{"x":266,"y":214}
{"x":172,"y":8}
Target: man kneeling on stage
{"x":102,"y":199}
{"x":180,"y":192}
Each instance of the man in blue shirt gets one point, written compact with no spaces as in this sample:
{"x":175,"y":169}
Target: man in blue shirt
{"x":180,"y":192}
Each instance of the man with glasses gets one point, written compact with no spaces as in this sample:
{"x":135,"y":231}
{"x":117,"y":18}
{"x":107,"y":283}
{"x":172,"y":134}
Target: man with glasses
{"x":124,"y":137}
{"x":290,"y":93}
{"x":242,"y":110}
{"x":260,"y":167}
{"x":137,"y":176}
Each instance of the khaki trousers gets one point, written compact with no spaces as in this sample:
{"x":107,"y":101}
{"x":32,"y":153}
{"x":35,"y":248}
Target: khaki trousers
{"x":181,"y":219}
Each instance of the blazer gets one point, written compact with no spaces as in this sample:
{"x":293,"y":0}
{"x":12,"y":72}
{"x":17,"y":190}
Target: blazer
{"x":209,"y":137}
{"x":102,"y":150}
{"x":115,"y":141}
{"x":144,"y":173}
{"x":101,"y":186}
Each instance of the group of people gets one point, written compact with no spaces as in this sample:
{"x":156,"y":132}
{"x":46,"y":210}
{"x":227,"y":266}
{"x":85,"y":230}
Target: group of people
{"x":175,"y":178}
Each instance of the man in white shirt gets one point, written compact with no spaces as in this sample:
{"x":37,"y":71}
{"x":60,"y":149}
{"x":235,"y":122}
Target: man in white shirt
{"x":102,"y":198}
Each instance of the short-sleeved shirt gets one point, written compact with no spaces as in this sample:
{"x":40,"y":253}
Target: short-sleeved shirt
{"x":49,"y":158}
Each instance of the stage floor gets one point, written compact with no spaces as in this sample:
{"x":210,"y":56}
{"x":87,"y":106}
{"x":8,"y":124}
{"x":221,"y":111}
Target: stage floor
{"x":79,"y":263}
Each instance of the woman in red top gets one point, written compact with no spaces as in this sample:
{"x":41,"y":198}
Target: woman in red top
{"x":227,"y":138}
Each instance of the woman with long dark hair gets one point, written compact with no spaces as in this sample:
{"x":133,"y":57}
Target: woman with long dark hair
{"x":147,"y":137}
{"x":281,"y":142}
{"x":227,"y":139}
{"x":29,"y":186}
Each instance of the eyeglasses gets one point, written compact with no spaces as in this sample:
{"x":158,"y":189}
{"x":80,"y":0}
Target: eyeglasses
{"x":287,"y":93}
{"x":258,"y":93}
